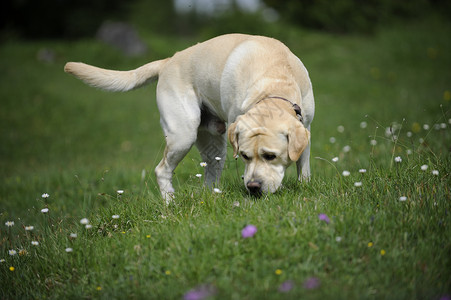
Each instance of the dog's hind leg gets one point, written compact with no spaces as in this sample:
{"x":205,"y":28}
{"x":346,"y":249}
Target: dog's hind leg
{"x":213,"y":149}
{"x":180,"y":119}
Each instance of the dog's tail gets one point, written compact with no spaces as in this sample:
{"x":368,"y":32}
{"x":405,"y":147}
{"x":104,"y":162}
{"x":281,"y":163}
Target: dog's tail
{"x":116,"y":81}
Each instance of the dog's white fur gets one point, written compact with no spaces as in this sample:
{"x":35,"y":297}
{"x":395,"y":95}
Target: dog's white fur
{"x":235,"y":79}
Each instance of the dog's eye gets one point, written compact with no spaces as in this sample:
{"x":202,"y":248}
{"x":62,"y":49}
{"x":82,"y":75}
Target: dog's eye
{"x":268,"y":156}
{"x":245,"y":156}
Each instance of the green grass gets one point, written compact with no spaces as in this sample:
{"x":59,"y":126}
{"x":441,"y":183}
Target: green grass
{"x":81,"y":145}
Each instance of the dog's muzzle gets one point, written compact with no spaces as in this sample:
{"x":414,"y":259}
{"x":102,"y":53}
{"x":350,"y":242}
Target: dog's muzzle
{"x":254,"y":187}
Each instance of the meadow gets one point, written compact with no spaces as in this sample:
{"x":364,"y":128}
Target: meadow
{"x":81,"y":215}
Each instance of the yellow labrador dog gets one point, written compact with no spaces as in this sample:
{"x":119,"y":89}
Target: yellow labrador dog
{"x":252,"y":83}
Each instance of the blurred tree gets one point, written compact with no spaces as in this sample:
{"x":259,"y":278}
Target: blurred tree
{"x":59,"y":18}
{"x":345,"y":16}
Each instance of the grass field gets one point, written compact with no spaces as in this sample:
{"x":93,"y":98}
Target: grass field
{"x":383,"y":105}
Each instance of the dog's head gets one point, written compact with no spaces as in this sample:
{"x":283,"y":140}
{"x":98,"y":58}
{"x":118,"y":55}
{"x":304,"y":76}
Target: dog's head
{"x":268,"y":141}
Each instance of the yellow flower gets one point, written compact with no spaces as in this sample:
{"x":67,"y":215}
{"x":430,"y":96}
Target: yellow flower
{"x":370,"y":244}
{"x":383,"y":252}
{"x":167,"y":272}
{"x":416,"y":127}
{"x":148,"y":236}
{"x":278,"y":272}
{"x":99,"y":288}
{"x":11,"y":269}
{"x":446,"y":95}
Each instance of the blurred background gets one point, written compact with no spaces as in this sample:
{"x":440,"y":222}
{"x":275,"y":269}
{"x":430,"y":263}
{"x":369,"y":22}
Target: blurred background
{"x":71,"y":19}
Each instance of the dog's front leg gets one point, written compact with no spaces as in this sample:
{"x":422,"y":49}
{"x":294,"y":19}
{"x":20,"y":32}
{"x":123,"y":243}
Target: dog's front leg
{"x":303,"y":165}
{"x":213,"y":149}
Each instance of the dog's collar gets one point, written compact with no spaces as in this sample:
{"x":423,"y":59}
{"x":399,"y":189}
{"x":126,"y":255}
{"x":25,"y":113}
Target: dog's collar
{"x":296,"y":107}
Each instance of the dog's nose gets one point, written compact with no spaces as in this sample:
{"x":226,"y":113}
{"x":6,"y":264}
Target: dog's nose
{"x":254,"y":187}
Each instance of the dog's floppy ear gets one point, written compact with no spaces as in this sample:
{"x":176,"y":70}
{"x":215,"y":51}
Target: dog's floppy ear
{"x":298,"y":139}
{"x":233,"y":136}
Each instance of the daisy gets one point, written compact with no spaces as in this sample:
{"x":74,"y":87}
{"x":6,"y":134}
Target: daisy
{"x":402,"y":198}
{"x":120,"y":192}
{"x":198,"y":175}
{"x":203,"y":164}
{"x":346,"y":173}
{"x":435,"y":172}
{"x":340,"y":128}
{"x":362,"y":171}
{"x":35,"y":243}
{"x":44,"y":210}
{"x":398,"y":159}
{"x":373,"y":142}
{"x":217,"y":158}
{"x":332,"y":140}
{"x":363,"y":124}
{"x":73,"y":235}
{"x":216,"y":190}
{"x":12,"y":252}
{"x":338,"y":239}
{"x":68,"y":250}
{"x":45,"y":195}
{"x":424,"y":167}
{"x":115,"y":216}
{"x":335,"y":159}
{"x":346,"y":148}
{"x":9,"y":223}
{"x":29,"y":228}
{"x":88,"y":226}
{"x":358,"y":183}
{"x":84,"y":221}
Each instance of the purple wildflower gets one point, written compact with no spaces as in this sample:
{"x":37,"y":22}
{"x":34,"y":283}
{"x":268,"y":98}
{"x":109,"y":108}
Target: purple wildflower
{"x":324,"y":217}
{"x":286,"y":286}
{"x":200,"y":292}
{"x":248,"y":231}
{"x":311,"y":283}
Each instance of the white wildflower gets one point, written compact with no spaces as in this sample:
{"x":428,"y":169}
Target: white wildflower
{"x":409,"y":133}
{"x":203,"y":164}
{"x":402,"y":198}
{"x":84,"y":221}
{"x":120,"y":192}
{"x":363,"y":124}
{"x":115,"y":216}
{"x":338,"y":239}
{"x":73,"y":235}
{"x":35,"y":243}
{"x":44,"y":210}
{"x":346,"y":148}
{"x":340,"y":128}
{"x":332,"y":140}
{"x":45,"y":195}
{"x":435,"y":172}
{"x":373,"y":142}
{"x":217,"y":158}
{"x":424,"y":167}
{"x":426,"y":127}
{"x":362,"y":171}
{"x":9,"y":223}
{"x":216,"y":190}
{"x":358,"y":184}
{"x":198,"y":175}
{"x":346,"y":173}
{"x":29,"y":228}
{"x":88,"y":226}
{"x":68,"y":250}
{"x":398,"y":159}
{"x":12,"y":252}
{"x":335,"y":159}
